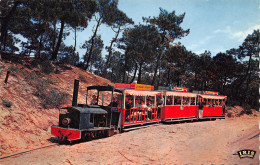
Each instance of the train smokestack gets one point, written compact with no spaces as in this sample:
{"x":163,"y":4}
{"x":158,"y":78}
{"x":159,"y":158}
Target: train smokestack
{"x":75,"y":93}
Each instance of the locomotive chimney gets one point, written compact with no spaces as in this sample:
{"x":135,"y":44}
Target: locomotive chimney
{"x":75,"y":93}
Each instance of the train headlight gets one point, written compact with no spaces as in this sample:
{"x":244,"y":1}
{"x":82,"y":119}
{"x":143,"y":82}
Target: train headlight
{"x":66,"y":121}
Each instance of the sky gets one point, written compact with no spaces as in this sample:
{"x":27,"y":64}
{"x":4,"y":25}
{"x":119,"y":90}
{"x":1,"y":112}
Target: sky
{"x":215,"y":25}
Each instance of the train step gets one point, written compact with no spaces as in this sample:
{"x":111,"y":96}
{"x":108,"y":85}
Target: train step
{"x":135,"y":128}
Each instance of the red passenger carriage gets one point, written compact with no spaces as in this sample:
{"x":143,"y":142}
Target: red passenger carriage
{"x":214,"y":105}
{"x":179,"y":106}
{"x":139,"y":105}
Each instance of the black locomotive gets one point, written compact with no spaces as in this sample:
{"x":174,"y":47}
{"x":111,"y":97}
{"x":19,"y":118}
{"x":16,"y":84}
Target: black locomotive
{"x":84,"y":121}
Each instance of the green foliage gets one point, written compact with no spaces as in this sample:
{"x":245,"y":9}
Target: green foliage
{"x":1,"y":68}
{"x":68,"y":55}
{"x":95,"y":58}
{"x":233,"y":103}
{"x":49,"y":96}
{"x":53,"y":98}
{"x":169,"y":24}
{"x":109,"y":14}
{"x":8,"y":104}
{"x":229,"y":114}
{"x":36,"y":20}
{"x":13,"y":70}
{"x":149,"y":50}
{"x":82,"y":78}
{"x":46,"y":67}
{"x":246,"y":110}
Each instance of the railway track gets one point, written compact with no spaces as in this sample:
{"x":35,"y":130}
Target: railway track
{"x":28,"y":151}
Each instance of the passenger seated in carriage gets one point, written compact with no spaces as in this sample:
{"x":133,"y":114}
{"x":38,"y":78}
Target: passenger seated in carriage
{"x":142,"y":105}
{"x":186,"y":102}
{"x":213,"y":103}
{"x":137,"y":103}
{"x":142,"y":108}
{"x":169,"y":101}
{"x":149,"y":108}
{"x":128,"y":106}
{"x":177,"y":102}
{"x":210,"y":103}
{"x":192,"y":102}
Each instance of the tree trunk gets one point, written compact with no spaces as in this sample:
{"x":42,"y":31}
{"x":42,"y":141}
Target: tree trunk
{"x":55,"y":53}
{"x":136,"y":67}
{"x":156,"y":68}
{"x":158,"y":81}
{"x":88,"y":54}
{"x":107,"y":64}
{"x":54,"y":35}
{"x":75,"y":43}
{"x":140,"y":73}
{"x":168,"y":76}
{"x":38,"y":54}
{"x":244,"y":78}
{"x":195,"y":85}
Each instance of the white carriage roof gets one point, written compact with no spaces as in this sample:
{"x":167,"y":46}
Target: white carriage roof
{"x":184,"y":94}
{"x":212,"y":96}
{"x":141,"y":92}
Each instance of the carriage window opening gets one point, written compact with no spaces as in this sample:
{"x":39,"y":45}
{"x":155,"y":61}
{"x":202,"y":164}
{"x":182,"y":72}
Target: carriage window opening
{"x":169,"y":100}
{"x":160,"y":100}
{"x":213,"y":102}
{"x":205,"y":102}
{"x":210,"y":102}
{"x":137,"y":101}
{"x":192,"y":101}
{"x":149,"y":101}
{"x":186,"y":101}
{"x":177,"y":100}
{"x":119,"y":100}
{"x":217,"y":102}
{"x":129,"y":102}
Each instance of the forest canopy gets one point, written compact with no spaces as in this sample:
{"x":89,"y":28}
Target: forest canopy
{"x":146,"y":52}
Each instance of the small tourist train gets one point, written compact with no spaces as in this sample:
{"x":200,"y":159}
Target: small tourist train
{"x":124,"y":107}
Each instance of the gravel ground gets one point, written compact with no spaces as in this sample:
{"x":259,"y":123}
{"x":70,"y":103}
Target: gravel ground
{"x":206,"y":142}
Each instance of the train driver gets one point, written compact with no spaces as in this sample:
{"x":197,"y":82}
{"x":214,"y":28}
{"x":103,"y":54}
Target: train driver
{"x":94,"y":100}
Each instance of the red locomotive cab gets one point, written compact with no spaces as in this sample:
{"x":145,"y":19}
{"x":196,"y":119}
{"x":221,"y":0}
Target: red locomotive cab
{"x":213,"y":106}
{"x":179,"y":106}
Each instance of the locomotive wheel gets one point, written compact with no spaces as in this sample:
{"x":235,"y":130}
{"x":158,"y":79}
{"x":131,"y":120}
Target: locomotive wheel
{"x":62,"y":140}
{"x":86,"y":136}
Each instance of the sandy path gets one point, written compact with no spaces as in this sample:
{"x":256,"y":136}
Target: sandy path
{"x":207,"y":142}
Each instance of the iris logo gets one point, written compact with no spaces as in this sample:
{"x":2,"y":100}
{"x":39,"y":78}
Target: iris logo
{"x":246,"y":154}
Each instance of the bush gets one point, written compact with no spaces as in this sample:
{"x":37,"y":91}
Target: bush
{"x":14,"y":70}
{"x":53,"y":98}
{"x":82,"y":78}
{"x":246,"y":110}
{"x":229,"y":114}
{"x":7,"y":103}
{"x":46,"y":67}
{"x":1,"y":67}
{"x":41,"y":87}
{"x":233,"y":103}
